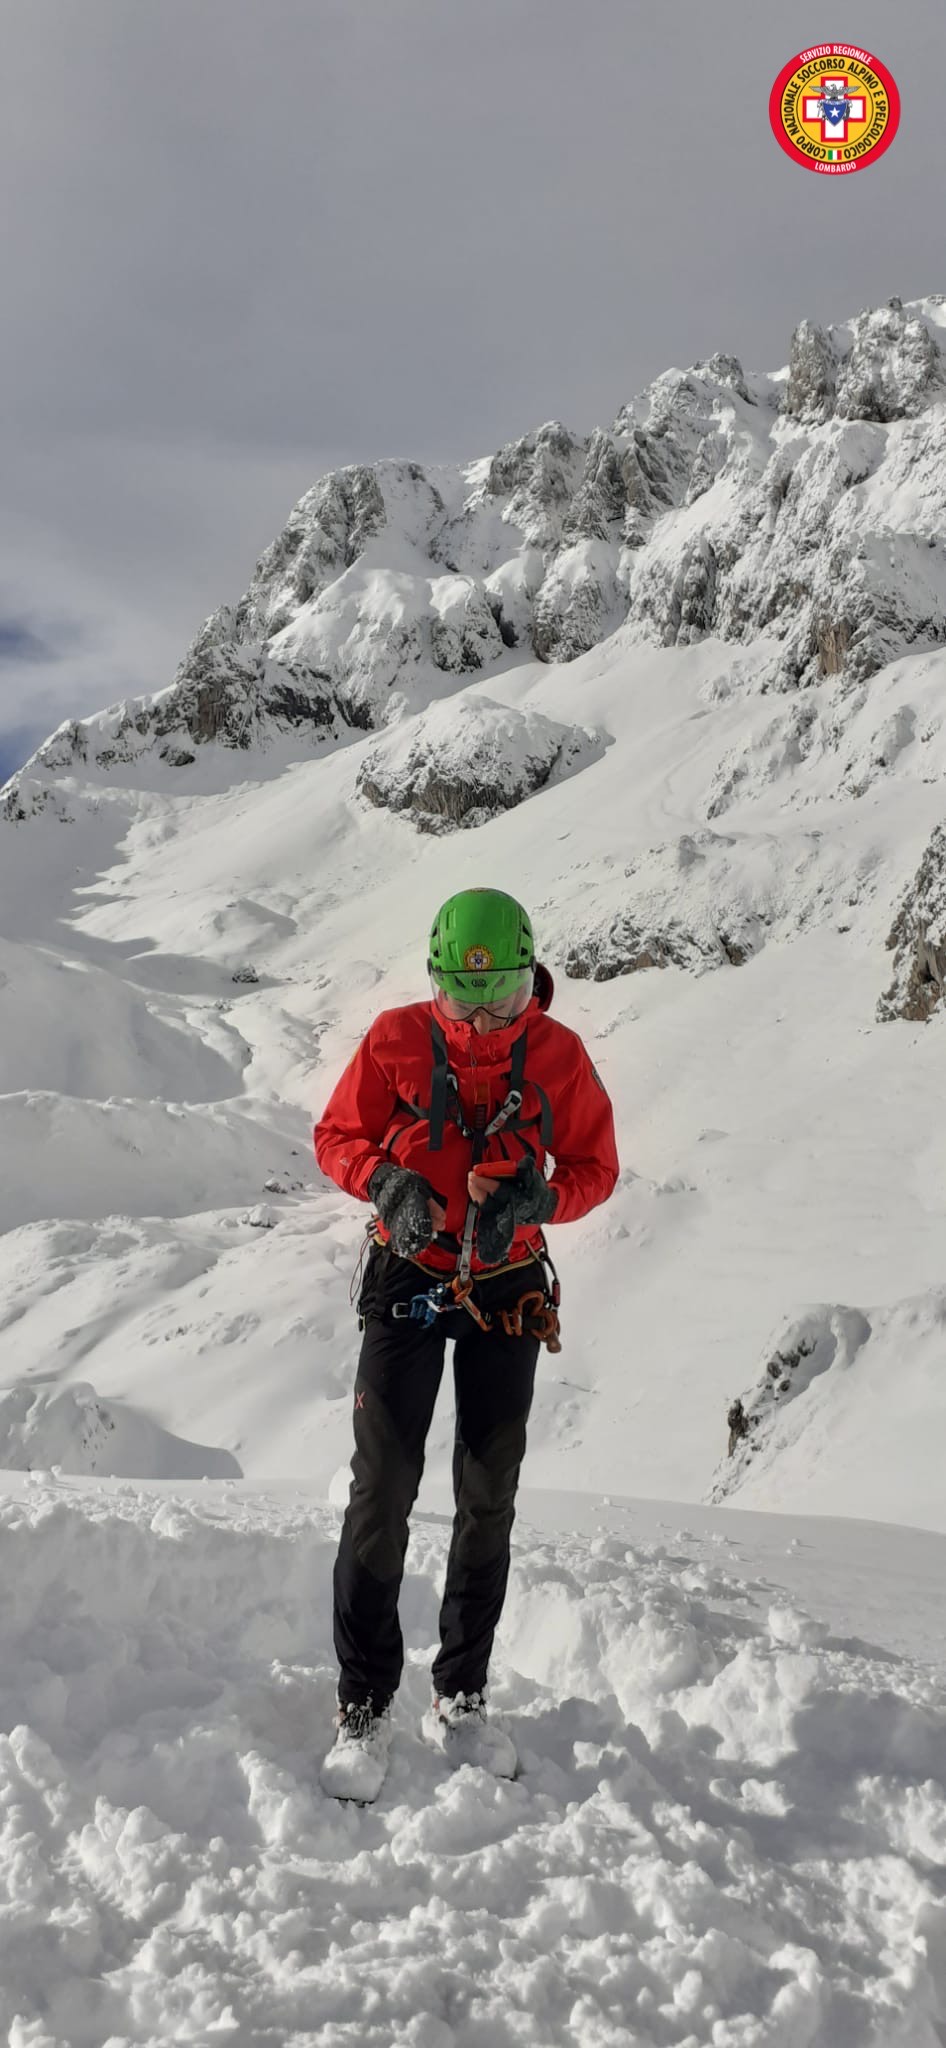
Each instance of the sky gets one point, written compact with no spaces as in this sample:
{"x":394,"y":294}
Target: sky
{"x":243,"y":245}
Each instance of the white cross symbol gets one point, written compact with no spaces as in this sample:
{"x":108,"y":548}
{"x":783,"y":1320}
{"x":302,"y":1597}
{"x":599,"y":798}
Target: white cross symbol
{"x":834,"y":131}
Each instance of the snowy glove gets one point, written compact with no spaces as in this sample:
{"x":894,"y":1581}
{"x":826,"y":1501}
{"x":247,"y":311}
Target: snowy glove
{"x":527,"y":1199}
{"x":402,"y":1201}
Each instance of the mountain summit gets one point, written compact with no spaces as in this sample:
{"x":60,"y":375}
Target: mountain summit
{"x":797,"y":517}
{"x":804,"y":506}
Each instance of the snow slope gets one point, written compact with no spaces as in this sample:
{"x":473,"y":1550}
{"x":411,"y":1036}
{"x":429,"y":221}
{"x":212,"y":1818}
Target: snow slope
{"x":776,"y":1140}
{"x":729,"y":1829}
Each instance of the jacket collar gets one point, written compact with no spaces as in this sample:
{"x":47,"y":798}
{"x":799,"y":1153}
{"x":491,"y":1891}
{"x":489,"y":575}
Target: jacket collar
{"x":487,"y":1048}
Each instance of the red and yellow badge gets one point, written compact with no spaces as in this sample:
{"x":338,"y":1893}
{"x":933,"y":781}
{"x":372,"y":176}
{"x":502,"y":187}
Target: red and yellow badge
{"x":478,"y":958}
{"x":834,"y":108}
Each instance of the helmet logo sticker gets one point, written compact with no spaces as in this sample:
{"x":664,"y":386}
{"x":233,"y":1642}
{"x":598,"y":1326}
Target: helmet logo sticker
{"x":477,"y":957}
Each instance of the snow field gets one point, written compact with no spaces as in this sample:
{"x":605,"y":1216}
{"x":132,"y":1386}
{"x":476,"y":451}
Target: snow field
{"x":729,"y":1829}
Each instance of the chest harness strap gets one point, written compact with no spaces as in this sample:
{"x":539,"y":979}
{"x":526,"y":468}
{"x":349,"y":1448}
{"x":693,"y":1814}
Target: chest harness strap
{"x":445,"y":1106}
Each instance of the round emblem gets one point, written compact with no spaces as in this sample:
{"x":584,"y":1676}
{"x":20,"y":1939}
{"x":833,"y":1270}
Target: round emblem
{"x":834,"y":108}
{"x":477,"y":957}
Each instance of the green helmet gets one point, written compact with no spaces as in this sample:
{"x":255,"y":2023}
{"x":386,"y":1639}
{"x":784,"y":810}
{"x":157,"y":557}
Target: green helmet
{"x":481,"y":946}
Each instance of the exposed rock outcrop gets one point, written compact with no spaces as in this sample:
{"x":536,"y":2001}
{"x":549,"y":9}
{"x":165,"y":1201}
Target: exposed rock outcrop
{"x":824,"y":1340}
{"x":630,"y":947}
{"x":462,"y":763}
{"x":324,"y":534}
{"x":578,"y":603}
{"x":538,"y":476}
{"x":465,"y":632}
{"x":918,"y":941}
{"x":223,"y":692}
{"x":812,"y":374}
{"x":892,"y":369}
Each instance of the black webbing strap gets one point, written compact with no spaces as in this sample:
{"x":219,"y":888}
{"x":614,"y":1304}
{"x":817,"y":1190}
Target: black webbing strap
{"x":545,"y":1117}
{"x":443,"y":1077}
{"x":438,"y":1087}
{"x":517,"y":1064}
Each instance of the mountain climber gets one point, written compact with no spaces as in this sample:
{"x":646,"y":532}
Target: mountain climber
{"x":437,"y":1093}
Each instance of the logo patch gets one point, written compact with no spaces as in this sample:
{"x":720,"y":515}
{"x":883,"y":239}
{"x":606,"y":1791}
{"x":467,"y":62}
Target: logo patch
{"x":477,"y":958}
{"x":834,"y":108}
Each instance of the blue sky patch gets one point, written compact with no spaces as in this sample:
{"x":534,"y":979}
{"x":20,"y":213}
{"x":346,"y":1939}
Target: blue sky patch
{"x":18,"y":643}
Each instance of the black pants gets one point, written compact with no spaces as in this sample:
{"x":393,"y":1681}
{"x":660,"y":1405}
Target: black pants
{"x":399,"y":1373}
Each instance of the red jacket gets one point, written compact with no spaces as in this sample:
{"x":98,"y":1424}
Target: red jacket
{"x":361,"y":1119}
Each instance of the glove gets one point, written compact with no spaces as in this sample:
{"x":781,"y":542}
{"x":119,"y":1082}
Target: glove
{"x":527,"y":1199}
{"x":401,"y":1199}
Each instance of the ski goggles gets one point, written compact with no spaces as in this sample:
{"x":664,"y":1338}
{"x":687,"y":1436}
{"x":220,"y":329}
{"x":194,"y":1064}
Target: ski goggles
{"x":504,"y":1009}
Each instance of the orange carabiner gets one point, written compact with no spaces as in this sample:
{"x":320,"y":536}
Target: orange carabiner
{"x":462,"y":1291}
{"x":542,"y":1321}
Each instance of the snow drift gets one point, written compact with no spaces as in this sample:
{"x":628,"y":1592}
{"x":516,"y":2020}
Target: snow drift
{"x":727,"y":1826}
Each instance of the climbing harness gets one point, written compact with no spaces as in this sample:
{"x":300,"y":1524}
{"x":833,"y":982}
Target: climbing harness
{"x":446,"y":1295}
{"x":532,"y":1314}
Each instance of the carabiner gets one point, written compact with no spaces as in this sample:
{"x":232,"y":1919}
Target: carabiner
{"x":422,"y":1308}
{"x":462,"y":1291}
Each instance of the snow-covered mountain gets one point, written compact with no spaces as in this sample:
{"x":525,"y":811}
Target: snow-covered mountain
{"x":681,"y":687}
{"x":799,"y":515}
{"x":805,"y":505}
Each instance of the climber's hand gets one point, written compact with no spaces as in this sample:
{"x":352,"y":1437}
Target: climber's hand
{"x":407,"y":1206}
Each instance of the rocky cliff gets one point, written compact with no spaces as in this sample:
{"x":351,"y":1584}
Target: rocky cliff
{"x":798,"y":516}
{"x":717,"y":503}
